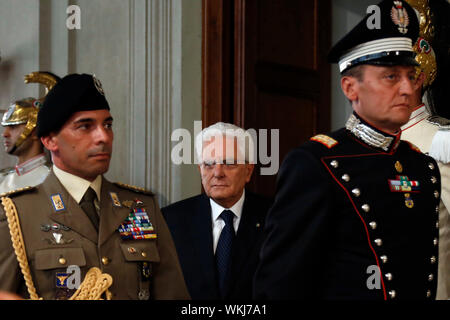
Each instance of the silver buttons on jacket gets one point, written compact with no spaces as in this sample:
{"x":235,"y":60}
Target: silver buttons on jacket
{"x":346,"y":178}
{"x":430,"y":277}
{"x":378,"y":242}
{"x":433,"y":260}
{"x":365,"y":207}
{"x":392,"y":294}
{"x":373,"y":225}
{"x":436,"y":194}
{"x":356,"y":192}
{"x":388,"y":276}
{"x":334,"y":164}
{"x":384,"y":259}
{"x":433,"y":179}
{"x":431,"y":166}
{"x":435,"y":241}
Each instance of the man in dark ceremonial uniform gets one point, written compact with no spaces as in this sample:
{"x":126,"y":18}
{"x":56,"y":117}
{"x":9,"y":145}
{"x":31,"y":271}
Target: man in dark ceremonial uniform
{"x":356,"y":211}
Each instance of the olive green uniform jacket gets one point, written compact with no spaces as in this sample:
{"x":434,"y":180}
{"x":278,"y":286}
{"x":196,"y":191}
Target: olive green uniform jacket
{"x":141,"y":269}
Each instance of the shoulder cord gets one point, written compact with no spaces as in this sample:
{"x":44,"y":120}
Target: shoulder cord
{"x":19,"y":246}
{"x":94,"y":285}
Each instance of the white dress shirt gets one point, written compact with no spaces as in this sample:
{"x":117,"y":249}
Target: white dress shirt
{"x":218,"y":223}
{"x":77,"y":186}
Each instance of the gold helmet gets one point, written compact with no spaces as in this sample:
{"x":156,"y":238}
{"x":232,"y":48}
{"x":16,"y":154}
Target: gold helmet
{"x":25,"y":111}
{"x":424,"y":52}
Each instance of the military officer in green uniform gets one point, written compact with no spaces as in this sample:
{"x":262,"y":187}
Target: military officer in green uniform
{"x":356,"y":210}
{"x":76,"y":219}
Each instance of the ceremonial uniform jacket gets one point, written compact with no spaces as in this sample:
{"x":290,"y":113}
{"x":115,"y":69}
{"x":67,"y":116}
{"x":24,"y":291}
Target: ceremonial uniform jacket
{"x":420,"y":131}
{"x":57,"y":234}
{"x":30,"y":173}
{"x":355,"y":217}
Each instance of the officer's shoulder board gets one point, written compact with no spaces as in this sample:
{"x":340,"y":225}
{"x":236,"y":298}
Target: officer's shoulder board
{"x":134,"y":188}
{"x":16,"y":192}
{"x":327,"y":141}
{"x":414,"y":147}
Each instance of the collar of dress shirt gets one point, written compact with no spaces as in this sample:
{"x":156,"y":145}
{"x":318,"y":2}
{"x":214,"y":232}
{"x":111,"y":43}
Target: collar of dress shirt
{"x":77,"y":186}
{"x":217,"y":209}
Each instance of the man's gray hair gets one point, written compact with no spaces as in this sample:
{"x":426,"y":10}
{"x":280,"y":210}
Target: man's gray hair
{"x":245,"y":141}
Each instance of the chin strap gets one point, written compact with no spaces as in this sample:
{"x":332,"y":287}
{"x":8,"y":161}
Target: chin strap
{"x":14,"y":148}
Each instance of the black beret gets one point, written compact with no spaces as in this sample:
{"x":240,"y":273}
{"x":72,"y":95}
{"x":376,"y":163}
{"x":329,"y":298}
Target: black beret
{"x":73,"y":93}
{"x":389,"y":43}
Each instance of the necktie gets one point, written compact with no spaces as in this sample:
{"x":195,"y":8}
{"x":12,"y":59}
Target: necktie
{"x":87,"y":204}
{"x":223,"y":250}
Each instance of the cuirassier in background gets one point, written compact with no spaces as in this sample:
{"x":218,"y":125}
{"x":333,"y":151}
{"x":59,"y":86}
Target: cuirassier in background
{"x":20,"y":139}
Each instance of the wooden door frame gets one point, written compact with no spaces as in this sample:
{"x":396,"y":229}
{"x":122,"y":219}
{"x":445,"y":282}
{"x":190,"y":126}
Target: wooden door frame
{"x":217,"y":61}
{"x":223,"y":62}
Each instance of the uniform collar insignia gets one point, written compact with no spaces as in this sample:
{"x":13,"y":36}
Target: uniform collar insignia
{"x":371,"y":135}
{"x":115,"y":199}
{"x":58,"y":203}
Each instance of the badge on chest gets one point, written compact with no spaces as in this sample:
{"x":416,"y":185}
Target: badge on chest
{"x":403,"y":184}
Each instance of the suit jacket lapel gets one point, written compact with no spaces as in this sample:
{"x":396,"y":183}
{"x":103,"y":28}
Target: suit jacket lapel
{"x":202,"y":233}
{"x":72,"y":215}
{"x":110,"y":216}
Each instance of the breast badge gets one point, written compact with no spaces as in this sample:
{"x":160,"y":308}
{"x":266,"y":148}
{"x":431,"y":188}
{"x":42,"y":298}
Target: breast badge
{"x":61,"y":280}
{"x":408,"y":201}
{"x":398,"y":167}
{"x":57,"y":236}
{"x":63,"y":292}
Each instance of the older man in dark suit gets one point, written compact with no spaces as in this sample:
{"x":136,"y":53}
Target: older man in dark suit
{"x":218,"y":234}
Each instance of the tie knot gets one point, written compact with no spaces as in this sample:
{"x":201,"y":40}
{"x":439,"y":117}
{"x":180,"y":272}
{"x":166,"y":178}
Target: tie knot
{"x":89,"y":195}
{"x":227,"y":216}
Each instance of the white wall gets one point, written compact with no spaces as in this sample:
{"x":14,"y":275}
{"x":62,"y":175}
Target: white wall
{"x":19,"y":49}
{"x":147,"y":53}
{"x":345,"y":14}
